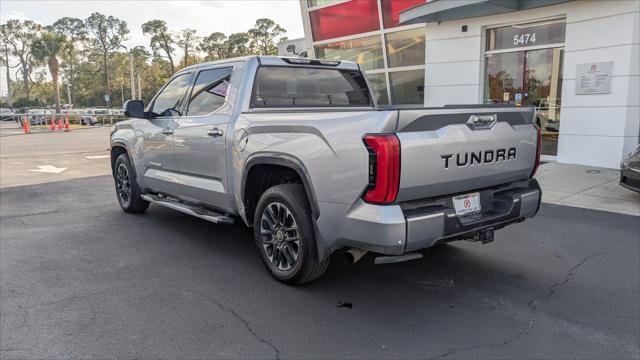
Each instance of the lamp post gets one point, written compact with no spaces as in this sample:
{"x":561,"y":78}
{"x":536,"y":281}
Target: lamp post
{"x":6,"y":58}
{"x":133,"y":86}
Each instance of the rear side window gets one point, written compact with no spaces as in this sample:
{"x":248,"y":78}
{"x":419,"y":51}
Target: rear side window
{"x":309,"y":87}
{"x":209,"y":91}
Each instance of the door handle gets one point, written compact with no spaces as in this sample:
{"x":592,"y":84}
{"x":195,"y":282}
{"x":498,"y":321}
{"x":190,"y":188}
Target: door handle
{"x":167,"y":131}
{"x":215,"y":132}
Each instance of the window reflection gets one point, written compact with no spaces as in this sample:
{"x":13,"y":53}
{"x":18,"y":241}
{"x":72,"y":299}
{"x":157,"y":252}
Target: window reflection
{"x":378,"y":83}
{"x":406,"y":48}
{"x":407,"y":87}
{"x":366,"y":51}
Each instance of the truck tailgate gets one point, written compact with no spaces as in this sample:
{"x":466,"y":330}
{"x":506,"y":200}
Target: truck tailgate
{"x":456,"y":149}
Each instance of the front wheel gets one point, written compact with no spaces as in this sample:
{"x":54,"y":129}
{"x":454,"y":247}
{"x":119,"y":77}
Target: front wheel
{"x":127,"y":191}
{"x":284,"y":236}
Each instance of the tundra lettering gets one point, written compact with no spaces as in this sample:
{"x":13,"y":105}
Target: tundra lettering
{"x":480,"y":157}
{"x":297,"y":150}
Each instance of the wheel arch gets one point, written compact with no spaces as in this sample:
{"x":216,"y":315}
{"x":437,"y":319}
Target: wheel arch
{"x":284,"y":161}
{"x":118,"y":148}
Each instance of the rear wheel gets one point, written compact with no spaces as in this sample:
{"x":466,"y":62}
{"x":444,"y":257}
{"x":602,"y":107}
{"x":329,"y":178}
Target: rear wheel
{"x":284,"y":236}
{"x":127,"y":190}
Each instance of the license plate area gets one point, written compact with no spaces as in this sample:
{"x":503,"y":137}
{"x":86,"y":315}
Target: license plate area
{"x":467,"y":204}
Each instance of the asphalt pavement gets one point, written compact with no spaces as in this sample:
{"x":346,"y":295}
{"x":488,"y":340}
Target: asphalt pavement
{"x":79,"y":278}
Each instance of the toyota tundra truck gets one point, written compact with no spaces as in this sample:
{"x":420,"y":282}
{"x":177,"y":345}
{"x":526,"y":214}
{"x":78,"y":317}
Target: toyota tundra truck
{"x":298,"y":150}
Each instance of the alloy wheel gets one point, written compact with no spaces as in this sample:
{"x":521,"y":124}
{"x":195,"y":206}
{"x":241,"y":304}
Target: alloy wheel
{"x":280,"y":236}
{"x":123,"y":184}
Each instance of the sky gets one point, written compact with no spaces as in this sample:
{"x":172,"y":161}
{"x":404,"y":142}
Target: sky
{"x":206,"y":16}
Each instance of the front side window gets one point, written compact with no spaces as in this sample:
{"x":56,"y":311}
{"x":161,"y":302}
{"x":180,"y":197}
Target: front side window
{"x":210,"y":91}
{"x":309,"y":87}
{"x":167,"y":103}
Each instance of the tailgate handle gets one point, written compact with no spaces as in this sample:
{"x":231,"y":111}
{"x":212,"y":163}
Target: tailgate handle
{"x":478,"y":122}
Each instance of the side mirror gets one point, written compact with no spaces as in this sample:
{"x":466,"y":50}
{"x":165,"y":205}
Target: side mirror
{"x":134,"y":109}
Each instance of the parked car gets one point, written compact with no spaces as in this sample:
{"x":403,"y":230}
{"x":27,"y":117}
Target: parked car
{"x":630,"y":171}
{"x":542,"y":116}
{"x":6,"y":114}
{"x":297,"y":149}
{"x":90,"y":116}
{"x":38,"y":116}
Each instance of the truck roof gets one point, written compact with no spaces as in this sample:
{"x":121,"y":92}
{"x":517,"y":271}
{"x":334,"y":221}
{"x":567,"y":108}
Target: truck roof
{"x":278,"y":60}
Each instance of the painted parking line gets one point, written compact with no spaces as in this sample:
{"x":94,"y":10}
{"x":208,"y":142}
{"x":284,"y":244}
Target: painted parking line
{"x":50,"y":169}
{"x":96,"y":157}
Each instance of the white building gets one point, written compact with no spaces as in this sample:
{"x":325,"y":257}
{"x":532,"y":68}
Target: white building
{"x":578,"y":62}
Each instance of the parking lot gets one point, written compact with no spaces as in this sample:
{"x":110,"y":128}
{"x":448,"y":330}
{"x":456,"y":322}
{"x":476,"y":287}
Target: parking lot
{"x":80,"y":278}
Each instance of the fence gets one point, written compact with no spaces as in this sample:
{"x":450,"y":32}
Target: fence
{"x":53,"y":122}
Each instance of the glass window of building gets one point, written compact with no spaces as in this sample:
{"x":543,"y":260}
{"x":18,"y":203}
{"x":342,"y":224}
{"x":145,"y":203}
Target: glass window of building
{"x":366,"y":51}
{"x":313,"y":3}
{"x":407,"y":87}
{"x":391,"y":10}
{"x":343,"y":19}
{"x":524,"y":67}
{"x":533,"y":34}
{"x":378,"y":83}
{"x":406,"y":48}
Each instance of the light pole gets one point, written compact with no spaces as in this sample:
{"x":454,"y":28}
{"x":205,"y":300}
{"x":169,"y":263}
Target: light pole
{"x":69,"y":94}
{"x":133,"y":86}
{"x":6,"y":58}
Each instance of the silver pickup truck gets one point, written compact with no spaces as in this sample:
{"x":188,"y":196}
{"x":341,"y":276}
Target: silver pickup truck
{"x":298,"y":150}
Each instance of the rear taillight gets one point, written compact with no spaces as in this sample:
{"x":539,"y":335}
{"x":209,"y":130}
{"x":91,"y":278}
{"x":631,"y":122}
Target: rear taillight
{"x":538,"y":150}
{"x":384,"y":168}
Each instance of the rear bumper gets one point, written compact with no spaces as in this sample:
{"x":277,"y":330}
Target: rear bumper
{"x":415,"y":225}
{"x":436,"y":220}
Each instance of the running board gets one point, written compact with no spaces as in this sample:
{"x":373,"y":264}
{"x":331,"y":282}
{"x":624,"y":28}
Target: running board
{"x":198,"y":212}
{"x":396,"y":259}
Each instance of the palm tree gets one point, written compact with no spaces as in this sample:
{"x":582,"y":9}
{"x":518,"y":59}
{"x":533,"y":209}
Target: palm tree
{"x":47,"y":48}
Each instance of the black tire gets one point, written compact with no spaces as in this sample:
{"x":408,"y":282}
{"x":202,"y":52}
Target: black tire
{"x":127,"y":190}
{"x":307,"y":266}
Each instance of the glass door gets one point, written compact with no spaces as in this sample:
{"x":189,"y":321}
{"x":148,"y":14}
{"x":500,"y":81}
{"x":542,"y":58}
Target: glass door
{"x":524,"y":68}
{"x":529,"y":78}
{"x":542,"y":89}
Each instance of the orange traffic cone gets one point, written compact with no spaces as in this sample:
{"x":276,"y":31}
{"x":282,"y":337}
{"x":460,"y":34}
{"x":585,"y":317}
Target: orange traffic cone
{"x":59,"y":124}
{"x":25,"y":125}
{"x":53,"y":124}
{"x":66,"y":124}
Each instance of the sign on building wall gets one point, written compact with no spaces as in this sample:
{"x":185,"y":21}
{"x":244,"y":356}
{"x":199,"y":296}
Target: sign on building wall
{"x":594,"y":78}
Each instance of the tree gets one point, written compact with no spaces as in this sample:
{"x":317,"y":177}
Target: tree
{"x":18,"y":36}
{"x":214,"y":46}
{"x":188,"y":41}
{"x":76,"y":33}
{"x":107,"y":34}
{"x":161,"y":39}
{"x":263,"y":36}
{"x":237,"y":44}
{"x":47,"y":48}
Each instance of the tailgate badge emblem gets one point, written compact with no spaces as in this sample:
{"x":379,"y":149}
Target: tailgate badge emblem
{"x":477,"y":122}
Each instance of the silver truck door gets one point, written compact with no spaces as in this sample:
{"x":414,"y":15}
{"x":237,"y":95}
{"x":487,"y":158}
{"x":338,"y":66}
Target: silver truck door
{"x":160,"y":168}
{"x":200,"y":138}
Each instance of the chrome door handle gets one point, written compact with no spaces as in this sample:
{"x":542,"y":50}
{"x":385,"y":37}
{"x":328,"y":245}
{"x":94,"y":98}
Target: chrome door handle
{"x":215,"y":132}
{"x":167,"y":131}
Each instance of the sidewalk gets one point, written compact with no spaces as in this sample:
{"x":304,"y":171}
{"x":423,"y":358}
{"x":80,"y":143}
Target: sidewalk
{"x":586,"y":187}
